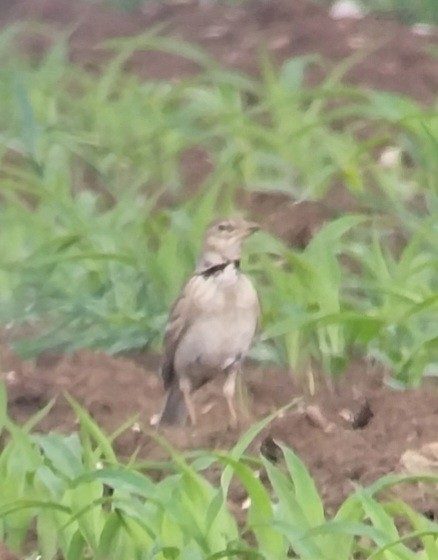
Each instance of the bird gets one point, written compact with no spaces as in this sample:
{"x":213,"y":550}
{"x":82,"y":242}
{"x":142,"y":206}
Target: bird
{"x":212,"y":323}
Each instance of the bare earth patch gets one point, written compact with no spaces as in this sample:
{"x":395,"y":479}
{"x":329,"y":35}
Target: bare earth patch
{"x":393,"y":57}
{"x":338,"y":451}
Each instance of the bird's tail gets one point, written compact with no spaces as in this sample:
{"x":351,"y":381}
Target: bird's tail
{"x":174,"y":410}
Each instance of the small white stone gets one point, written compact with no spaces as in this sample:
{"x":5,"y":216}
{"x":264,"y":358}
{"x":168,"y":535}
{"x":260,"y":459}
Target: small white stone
{"x":153,"y":421}
{"x":136,"y":426}
{"x":246,"y":504}
{"x":346,"y":9}
{"x":346,"y":415}
{"x":11,"y":376}
{"x":390,"y":157}
{"x":422,"y":29}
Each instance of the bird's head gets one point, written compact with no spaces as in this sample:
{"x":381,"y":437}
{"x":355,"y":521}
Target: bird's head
{"x":223,"y":241}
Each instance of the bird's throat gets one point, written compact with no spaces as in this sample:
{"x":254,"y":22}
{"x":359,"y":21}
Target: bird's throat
{"x":217,"y":268}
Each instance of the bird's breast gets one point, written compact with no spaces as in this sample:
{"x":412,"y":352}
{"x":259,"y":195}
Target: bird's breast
{"x":225,"y":323}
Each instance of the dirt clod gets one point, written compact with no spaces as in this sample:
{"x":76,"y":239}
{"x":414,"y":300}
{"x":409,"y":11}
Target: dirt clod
{"x":362,"y":417}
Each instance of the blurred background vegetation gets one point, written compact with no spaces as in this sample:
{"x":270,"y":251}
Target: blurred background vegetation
{"x":99,"y":229}
{"x":90,"y":256}
{"x":408,"y":11}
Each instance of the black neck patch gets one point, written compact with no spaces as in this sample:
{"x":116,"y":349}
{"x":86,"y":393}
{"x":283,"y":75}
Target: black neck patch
{"x":219,"y":268}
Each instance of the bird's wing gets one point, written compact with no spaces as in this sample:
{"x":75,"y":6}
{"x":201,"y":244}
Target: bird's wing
{"x":181,"y":317}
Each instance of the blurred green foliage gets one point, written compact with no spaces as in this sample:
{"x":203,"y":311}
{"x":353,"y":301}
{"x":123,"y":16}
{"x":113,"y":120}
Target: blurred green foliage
{"x":408,"y":11}
{"x":91,"y":257}
{"x":79,"y":502}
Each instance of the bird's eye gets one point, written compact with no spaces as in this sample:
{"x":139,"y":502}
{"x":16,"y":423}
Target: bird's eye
{"x":223,"y":227}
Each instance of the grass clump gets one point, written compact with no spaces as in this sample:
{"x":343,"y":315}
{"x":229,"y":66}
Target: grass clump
{"x":82,"y":502}
{"x":92,"y":258}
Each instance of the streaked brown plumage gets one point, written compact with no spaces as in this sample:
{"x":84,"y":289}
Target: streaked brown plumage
{"x":212,"y":324}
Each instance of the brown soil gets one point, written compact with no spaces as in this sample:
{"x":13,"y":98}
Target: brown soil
{"x":392,"y":57}
{"x":320,"y":428}
{"x":114,"y":389}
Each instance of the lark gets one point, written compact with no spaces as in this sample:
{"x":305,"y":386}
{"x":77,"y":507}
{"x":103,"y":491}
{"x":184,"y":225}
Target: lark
{"x":211,"y":325}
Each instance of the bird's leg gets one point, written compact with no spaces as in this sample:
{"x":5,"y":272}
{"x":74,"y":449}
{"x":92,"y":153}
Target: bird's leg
{"x":242,"y":397}
{"x":229,"y":391}
{"x":187,"y":394}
